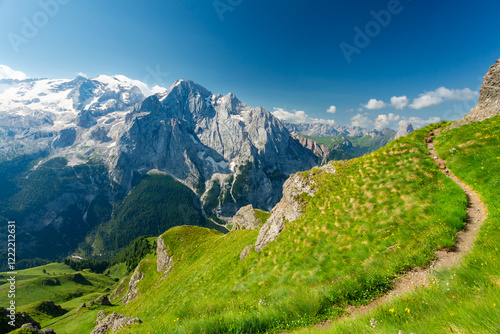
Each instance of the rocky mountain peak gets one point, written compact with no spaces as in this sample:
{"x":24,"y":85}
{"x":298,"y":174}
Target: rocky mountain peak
{"x":488,"y":105}
{"x":405,"y":128}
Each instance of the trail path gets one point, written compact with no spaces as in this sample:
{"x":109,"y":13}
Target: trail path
{"x":476,"y":215}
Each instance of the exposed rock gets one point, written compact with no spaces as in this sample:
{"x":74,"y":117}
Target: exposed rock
{"x":100,"y":134}
{"x":29,"y":328}
{"x":119,"y":289}
{"x":488,"y":105}
{"x":114,"y":322}
{"x":405,"y":128}
{"x":287,"y":210}
{"x":65,"y":138}
{"x":163,"y":257}
{"x":245,"y":219}
{"x":21,"y":318}
{"x":185,"y":131}
{"x":133,"y":291}
{"x":245,"y":252}
{"x":47,"y":331}
{"x":319,"y":149}
{"x":80,"y":307}
{"x":48,"y":307}
{"x":102,"y":300}
{"x":101,"y":315}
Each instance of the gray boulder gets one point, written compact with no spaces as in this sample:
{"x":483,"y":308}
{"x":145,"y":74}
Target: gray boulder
{"x":245,"y":219}
{"x":113,"y":323}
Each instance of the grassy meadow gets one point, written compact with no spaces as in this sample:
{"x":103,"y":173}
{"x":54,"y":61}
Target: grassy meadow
{"x":374,"y":218}
{"x":465,"y":299}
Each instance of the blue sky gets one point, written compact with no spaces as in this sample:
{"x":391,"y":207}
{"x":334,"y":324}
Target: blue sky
{"x":283,"y":55}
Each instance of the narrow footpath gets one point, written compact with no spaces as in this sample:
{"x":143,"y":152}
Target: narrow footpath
{"x":476,"y":215}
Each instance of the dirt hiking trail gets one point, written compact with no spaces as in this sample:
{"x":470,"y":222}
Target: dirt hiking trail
{"x":476,"y":215}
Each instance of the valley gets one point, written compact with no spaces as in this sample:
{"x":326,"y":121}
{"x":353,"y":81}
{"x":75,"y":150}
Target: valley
{"x":402,"y":239}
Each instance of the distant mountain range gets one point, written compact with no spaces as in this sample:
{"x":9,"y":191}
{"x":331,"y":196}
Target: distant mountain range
{"x":71,"y":150}
{"x":74,"y":153}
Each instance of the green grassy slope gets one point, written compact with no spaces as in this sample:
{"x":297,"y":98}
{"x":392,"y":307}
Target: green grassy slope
{"x":59,"y":284}
{"x":465,"y":299}
{"x":376,"y":217}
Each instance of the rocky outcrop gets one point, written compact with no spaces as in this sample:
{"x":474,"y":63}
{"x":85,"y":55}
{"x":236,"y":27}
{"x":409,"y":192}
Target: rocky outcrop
{"x":319,"y":149}
{"x":244,"y":253}
{"x":405,"y":128}
{"x":19,"y":318}
{"x":102,"y":300}
{"x":289,"y":208}
{"x":133,"y":291}
{"x":113,"y":323}
{"x":48,"y":307}
{"x":100,"y":316}
{"x":164,"y":259}
{"x":245,"y":219}
{"x":488,"y":105}
{"x":32,"y":329}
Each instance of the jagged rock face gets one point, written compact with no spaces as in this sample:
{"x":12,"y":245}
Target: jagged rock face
{"x":319,"y":149}
{"x":163,"y":259}
{"x":133,"y":291}
{"x":289,"y":208}
{"x":405,"y":128}
{"x":245,"y":219}
{"x":488,"y":105}
{"x":113,"y":323}
{"x":120,"y":125}
{"x":195,"y":135}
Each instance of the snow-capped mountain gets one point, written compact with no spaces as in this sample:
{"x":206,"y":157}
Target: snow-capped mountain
{"x":214,"y":144}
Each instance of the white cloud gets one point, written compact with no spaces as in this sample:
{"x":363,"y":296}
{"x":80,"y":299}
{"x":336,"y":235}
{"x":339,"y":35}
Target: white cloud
{"x":298,"y":117}
{"x":375,"y":104}
{"x":332,"y":110}
{"x":7,"y":73}
{"x":384,"y":121}
{"x":361,"y":121}
{"x":438,"y":96}
{"x":390,"y":121}
{"x":418,"y":122}
{"x":82,"y":74}
{"x":399,"y":102}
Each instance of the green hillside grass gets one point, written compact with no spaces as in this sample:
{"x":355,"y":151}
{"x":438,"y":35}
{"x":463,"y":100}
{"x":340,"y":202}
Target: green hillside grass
{"x":375,"y":218}
{"x":60,"y":284}
{"x":465,"y":299}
